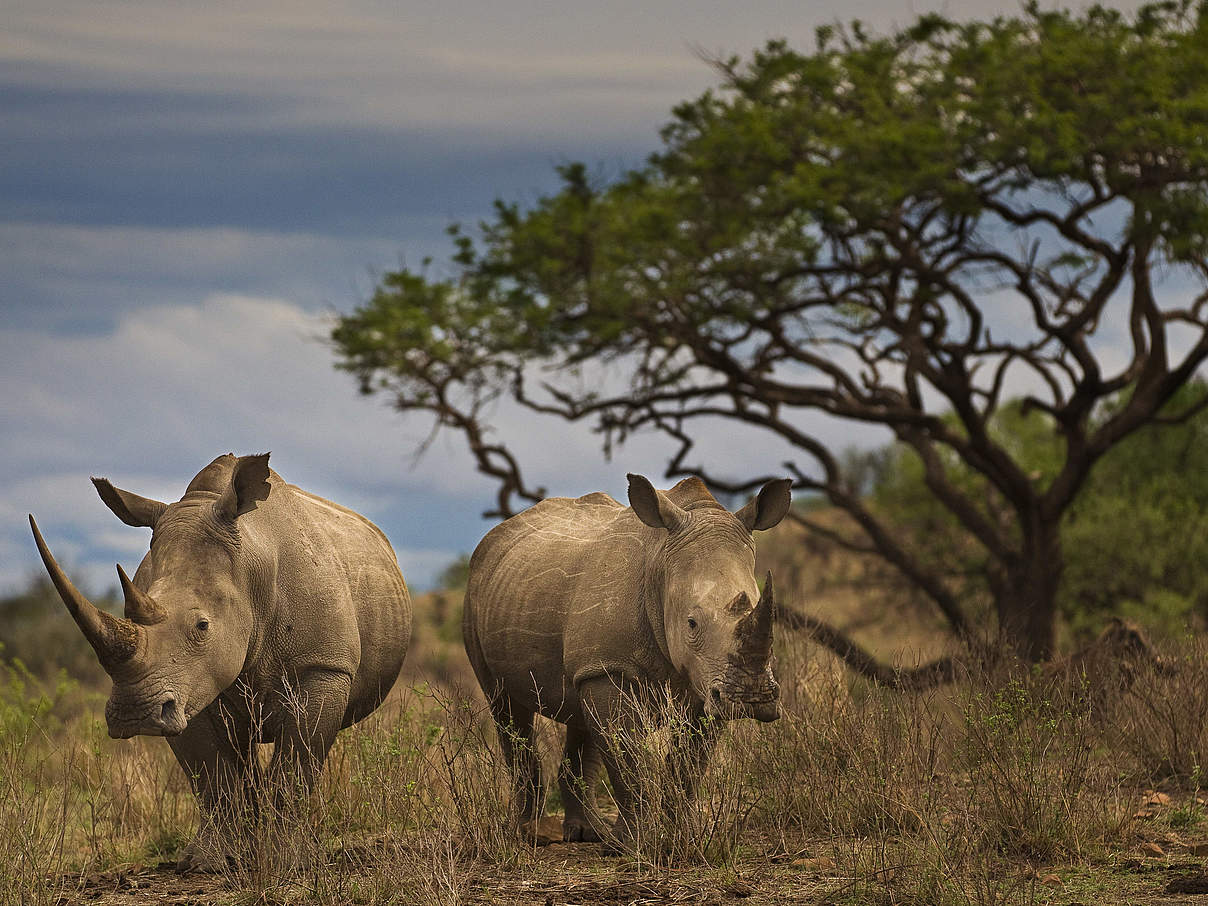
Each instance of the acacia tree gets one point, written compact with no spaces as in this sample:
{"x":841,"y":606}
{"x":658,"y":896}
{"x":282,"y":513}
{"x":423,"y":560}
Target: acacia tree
{"x":903,"y":230}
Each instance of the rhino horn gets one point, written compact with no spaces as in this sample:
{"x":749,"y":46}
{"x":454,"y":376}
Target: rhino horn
{"x":140,"y":606}
{"x":114,"y":640}
{"x":754,"y":631}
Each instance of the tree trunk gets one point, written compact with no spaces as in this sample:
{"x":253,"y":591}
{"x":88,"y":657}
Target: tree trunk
{"x":1025,"y":597}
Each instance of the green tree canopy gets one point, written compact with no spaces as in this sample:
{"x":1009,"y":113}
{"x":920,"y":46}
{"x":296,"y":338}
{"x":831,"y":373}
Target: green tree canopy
{"x":902,"y":230}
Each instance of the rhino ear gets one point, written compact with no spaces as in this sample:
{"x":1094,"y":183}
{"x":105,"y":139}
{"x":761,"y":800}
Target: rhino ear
{"x":130,"y":508}
{"x":248,"y":485}
{"x":769,"y":507}
{"x":653,"y":507}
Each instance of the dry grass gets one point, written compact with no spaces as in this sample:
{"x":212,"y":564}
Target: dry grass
{"x":980,"y":793}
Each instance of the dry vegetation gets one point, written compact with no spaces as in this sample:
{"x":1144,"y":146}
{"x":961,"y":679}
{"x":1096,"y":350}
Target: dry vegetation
{"x":1007,"y":789}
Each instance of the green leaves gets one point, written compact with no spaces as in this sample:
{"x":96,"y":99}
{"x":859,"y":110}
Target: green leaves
{"x":799,"y":165}
{"x":848,"y":143}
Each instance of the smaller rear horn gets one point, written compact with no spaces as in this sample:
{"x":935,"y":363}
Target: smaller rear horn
{"x":140,"y":606}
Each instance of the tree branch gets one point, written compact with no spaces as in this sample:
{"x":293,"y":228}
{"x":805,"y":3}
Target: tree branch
{"x":903,"y":679}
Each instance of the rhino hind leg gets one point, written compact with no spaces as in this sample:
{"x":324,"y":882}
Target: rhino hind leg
{"x":514,"y":724}
{"x":578,"y":775}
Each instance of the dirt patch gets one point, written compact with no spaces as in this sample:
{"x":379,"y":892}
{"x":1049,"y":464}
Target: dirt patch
{"x":832,"y":871}
{"x":158,"y":884}
{"x":578,"y":873}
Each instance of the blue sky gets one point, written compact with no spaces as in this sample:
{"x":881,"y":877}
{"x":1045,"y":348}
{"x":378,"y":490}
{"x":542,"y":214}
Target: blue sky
{"x":189,"y":191}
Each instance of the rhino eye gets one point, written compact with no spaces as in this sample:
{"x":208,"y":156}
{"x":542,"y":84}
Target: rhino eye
{"x":203,"y":625}
{"x":691,"y":623}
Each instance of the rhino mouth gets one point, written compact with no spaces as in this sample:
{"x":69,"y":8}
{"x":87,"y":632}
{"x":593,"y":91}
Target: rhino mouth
{"x":733,"y":698}
{"x":166,"y":716}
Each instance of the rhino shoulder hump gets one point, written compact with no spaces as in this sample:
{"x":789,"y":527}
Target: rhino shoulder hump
{"x":597,"y":498}
{"x":593,"y":504}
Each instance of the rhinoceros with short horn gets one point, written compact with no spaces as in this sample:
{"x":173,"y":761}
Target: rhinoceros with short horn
{"x":262,"y":613}
{"x":575,"y":608}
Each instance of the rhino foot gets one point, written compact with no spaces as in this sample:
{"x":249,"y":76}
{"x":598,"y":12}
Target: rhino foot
{"x":576,"y":830}
{"x":205,"y":855}
{"x":620,"y":839}
{"x":192,"y":861}
{"x":611,"y":846}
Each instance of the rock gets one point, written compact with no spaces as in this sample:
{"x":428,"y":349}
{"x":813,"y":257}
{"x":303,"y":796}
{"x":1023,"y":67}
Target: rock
{"x":1188,"y":884}
{"x":740,"y":888}
{"x":545,"y":831}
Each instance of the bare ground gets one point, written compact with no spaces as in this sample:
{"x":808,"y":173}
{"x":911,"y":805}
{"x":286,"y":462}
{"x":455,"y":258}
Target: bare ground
{"x":1160,"y":869}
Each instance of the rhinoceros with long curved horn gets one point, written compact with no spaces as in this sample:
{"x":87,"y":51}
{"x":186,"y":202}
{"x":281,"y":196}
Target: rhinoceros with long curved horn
{"x":575,"y":609}
{"x":262,"y":613}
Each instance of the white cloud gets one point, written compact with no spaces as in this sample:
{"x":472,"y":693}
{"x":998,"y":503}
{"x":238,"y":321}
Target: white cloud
{"x":422,"y":567}
{"x":189,"y":382}
{"x":171,"y":386}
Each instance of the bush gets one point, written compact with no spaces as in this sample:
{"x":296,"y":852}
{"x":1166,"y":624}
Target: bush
{"x":36,"y":630}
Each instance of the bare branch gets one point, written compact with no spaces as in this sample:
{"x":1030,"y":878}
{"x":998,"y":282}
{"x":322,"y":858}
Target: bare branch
{"x":903,"y":679}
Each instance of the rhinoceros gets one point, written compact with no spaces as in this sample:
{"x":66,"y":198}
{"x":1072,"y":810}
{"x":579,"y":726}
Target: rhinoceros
{"x":578,"y":608}
{"x":262,"y":613}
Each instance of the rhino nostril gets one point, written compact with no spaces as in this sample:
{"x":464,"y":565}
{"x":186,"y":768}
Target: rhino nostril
{"x":167,"y":711}
{"x":715,"y":693}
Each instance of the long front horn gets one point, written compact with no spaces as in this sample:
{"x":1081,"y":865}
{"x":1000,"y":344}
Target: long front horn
{"x":140,"y":606}
{"x":755,"y":630}
{"x":114,"y":640}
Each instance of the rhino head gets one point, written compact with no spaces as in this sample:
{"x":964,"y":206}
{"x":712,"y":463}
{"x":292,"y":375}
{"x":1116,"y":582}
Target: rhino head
{"x":188,"y":617}
{"x":717,"y":624}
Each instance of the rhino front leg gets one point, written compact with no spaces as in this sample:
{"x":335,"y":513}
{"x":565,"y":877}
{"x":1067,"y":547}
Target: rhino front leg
{"x":312,"y":714}
{"x":615,"y":724}
{"x":691,"y":746}
{"x":215,"y":751}
{"x":577,"y":778}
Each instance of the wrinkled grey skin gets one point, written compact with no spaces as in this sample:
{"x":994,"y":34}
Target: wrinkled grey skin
{"x":261,"y":613}
{"x":578,"y":609}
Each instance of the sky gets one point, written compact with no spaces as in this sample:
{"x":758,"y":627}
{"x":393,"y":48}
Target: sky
{"x":189,"y":192}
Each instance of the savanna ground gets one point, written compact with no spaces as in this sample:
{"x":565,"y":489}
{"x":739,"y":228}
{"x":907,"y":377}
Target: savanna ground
{"x":1016,"y":787}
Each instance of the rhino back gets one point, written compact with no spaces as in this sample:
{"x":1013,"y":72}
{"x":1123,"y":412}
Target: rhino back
{"x":337,"y":599}
{"x":554,"y":598}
